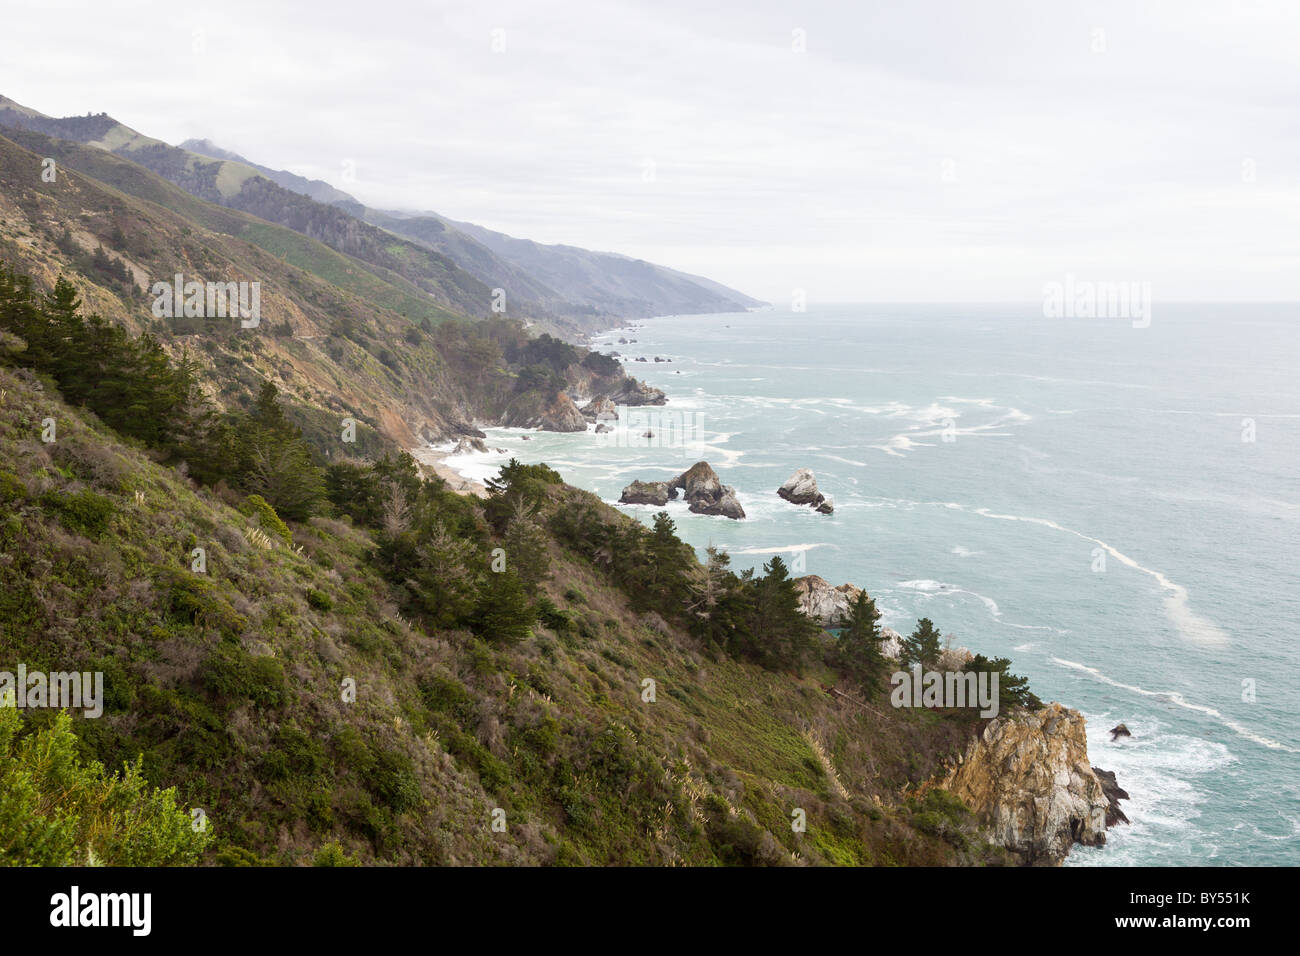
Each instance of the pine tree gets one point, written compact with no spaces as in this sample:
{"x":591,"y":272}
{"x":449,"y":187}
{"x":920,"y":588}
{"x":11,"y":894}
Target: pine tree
{"x":503,"y":613}
{"x":275,"y":461}
{"x":782,"y":635}
{"x":1013,"y":690}
{"x":857,"y":651}
{"x":923,"y":646}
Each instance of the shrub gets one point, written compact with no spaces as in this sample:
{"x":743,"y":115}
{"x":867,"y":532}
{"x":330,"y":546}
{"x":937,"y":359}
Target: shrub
{"x":392,"y":780}
{"x":11,"y":487}
{"x":319,"y":600}
{"x":255,"y":506}
{"x":193,"y":599}
{"x":83,"y":511}
{"x":445,"y":695}
{"x":232,"y":673}
{"x":332,"y":854}
{"x":57,"y":811}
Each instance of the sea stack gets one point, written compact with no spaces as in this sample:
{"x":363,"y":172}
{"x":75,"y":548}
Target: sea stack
{"x":703,"y":491}
{"x":801,"y":489}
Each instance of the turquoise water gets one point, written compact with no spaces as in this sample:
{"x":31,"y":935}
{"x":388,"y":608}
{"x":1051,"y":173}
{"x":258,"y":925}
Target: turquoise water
{"x":985,"y":462}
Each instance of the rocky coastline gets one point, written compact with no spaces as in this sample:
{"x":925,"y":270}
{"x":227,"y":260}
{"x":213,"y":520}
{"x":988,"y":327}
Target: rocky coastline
{"x":1026,"y":778}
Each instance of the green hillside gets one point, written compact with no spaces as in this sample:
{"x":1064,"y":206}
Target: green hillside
{"x":384,"y":669}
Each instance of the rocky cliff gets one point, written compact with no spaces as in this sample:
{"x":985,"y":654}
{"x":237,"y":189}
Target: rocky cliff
{"x":828,"y":606}
{"x":1028,"y":779}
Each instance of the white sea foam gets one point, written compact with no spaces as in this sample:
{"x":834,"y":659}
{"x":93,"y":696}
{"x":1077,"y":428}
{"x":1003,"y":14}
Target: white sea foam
{"x":1177,"y":699}
{"x":933,"y":588}
{"x":1177,"y":610}
{"x":1189,"y":624}
{"x":781,"y":549}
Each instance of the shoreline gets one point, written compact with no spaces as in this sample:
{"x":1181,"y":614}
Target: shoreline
{"x":435,"y":460}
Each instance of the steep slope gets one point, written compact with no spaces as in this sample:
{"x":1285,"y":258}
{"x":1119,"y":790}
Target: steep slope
{"x":557,"y":281}
{"x":242,"y":187}
{"x":311,"y":188}
{"x":284,"y":691}
{"x":337,"y":338}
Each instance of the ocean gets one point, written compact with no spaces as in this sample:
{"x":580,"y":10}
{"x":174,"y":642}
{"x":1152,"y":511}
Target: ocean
{"x":1115,"y":508}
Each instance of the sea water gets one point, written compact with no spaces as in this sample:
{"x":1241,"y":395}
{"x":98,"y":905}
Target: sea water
{"x":1116,"y":508}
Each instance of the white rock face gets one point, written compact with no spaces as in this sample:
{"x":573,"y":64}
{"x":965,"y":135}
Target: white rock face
{"x":891,"y":643}
{"x":1029,"y":781}
{"x":829,"y":606}
{"x":801,"y":489}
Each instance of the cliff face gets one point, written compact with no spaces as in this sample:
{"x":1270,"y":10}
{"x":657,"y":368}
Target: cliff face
{"x":829,"y":606}
{"x":1028,"y":779}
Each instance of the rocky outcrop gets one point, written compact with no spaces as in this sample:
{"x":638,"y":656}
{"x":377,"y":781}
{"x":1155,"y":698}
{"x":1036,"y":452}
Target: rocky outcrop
{"x":469,"y":445}
{"x":828,"y":606}
{"x":638,"y":393}
{"x":600,"y":409}
{"x":832,"y":606}
{"x":1028,"y":780}
{"x":891,"y":643}
{"x":1114,"y":794}
{"x":801,"y":489}
{"x":534,"y":409}
{"x":705,"y":492}
{"x":647,"y":493}
{"x":1118,"y":731}
{"x":563,"y":416}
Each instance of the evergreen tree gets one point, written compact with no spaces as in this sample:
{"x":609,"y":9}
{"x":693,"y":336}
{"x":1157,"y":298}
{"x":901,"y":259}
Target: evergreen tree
{"x":665,"y":587}
{"x":857,"y":652}
{"x":503,"y":613}
{"x":781,"y":635}
{"x":923,"y":646}
{"x":714,"y":601}
{"x":1013,"y":690}
{"x":275,"y":461}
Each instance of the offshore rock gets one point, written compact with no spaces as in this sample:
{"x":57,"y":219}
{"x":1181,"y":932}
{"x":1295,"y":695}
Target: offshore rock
{"x":647,"y":493}
{"x":600,"y":409}
{"x":638,"y":393}
{"x":801,"y":489}
{"x":705,"y":492}
{"x":1114,"y":793}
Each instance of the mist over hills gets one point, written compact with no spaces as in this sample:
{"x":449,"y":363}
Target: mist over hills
{"x":458,"y":264}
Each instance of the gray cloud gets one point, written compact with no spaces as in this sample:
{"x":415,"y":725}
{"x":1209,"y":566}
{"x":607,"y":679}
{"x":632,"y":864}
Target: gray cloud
{"x":915,"y":151}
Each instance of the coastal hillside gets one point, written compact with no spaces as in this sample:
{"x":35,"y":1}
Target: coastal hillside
{"x":339,"y":340}
{"x":330,"y":655}
{"x":587,"y":288}
{"x":346,"y":662}
{"x":456,"y":265}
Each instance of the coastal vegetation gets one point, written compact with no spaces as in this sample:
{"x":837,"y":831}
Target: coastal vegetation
{"x":369,"y":664}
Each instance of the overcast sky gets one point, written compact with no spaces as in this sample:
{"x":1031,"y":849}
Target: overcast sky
{"x":912,"y":150}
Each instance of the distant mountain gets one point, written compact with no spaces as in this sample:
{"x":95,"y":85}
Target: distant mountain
{"x":240,"y":186}
{"x":554,"y":279}
{"x":311,"y":188}
{"x":612,"y":282}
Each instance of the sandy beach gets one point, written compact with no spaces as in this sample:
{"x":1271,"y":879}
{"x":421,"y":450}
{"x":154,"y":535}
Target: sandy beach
{"x":432,"y":459}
